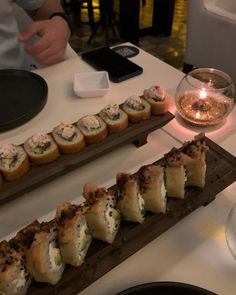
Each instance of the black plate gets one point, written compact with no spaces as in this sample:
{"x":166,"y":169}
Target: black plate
{"x":23,"y":94}
{"x":165,"y":288}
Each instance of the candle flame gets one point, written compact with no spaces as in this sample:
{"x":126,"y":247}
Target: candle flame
{"x":203,"y":94}
{"x":198,"y":115}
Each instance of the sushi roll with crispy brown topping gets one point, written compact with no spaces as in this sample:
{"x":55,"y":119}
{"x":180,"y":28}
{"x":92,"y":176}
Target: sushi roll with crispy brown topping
{"x":1,"y":181}
{"x":196,"y":167}
{"x":175,"y":174}
{"x":74,"y":236}
{"x":43,"y":257}
{"x":152,"y":187}
{"x":130,"y":201}
{"x":102,"y":217}
{"x":14,"y":276}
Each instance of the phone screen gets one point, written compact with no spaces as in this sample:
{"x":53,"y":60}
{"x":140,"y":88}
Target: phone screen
{"x":118,"y":67}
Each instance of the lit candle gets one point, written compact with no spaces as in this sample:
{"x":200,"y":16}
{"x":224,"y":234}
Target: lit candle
{"x":202,"y":93}
{"x":203,"y":106}
{"x":205,"y":96}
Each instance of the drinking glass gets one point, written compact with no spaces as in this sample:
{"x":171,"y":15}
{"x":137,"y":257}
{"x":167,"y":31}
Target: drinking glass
{"x":230,"y":231}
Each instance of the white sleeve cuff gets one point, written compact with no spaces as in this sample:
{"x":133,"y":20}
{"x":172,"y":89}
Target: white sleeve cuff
{"x":30,"y":4}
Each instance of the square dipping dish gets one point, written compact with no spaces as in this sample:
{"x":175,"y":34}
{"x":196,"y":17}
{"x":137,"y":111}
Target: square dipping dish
{"x":91,"y":84}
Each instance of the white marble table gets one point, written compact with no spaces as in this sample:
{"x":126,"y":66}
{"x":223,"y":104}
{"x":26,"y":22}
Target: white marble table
{"x":194,"y":250}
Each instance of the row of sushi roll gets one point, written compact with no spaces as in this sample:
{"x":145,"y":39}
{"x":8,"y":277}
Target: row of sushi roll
{"x":40,"y":251}
{"x":66,"y":138}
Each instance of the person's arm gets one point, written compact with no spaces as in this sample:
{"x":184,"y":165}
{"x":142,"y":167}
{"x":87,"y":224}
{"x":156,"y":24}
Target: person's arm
{"x":46,"y":10}
{"x":54,"y":33}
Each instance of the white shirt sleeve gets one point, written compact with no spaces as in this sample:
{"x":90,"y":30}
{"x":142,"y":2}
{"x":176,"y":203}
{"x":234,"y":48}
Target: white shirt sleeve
{"x":29,"y":4}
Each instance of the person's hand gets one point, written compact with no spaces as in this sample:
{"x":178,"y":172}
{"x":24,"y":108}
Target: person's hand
{"x":51,"y":47}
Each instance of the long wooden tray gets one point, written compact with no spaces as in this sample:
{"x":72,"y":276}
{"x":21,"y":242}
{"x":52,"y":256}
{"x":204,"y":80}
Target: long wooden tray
{"x":102,"y":257}
{"x":37,"y":175}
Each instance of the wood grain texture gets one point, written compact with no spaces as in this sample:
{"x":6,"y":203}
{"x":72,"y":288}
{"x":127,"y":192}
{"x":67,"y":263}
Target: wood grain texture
{"x":38,"y":175}
{"x":102,"y":257}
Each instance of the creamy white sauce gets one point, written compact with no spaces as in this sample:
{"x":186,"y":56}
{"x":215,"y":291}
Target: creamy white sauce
{"x":66,"y":130}
{"x":163,"y":190}
{"x":155,"y":92}
{"x":7,"y":150}
{"x":39,"y":140}
{"x":8,"y":153}
{"x":140,"y":202}
{"x":19,"y":282}
{"x":111,"y":111}
{"x":83,"y":239}
{"x":163,"y":193}
{"x":90,"y":122}
{"x":54,"y":254}
{"x":134,"y":102}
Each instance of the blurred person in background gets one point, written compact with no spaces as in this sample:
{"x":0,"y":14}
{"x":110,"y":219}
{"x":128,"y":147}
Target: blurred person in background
{"x":32,"y":33}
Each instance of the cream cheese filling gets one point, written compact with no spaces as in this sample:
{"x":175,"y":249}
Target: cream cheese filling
{"x":54,"y":256}
{"x":19,"y":282}
{"x":83,"y":239}
{"x":141,"y":203}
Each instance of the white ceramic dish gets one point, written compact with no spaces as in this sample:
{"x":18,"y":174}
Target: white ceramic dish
{"x":91,"y":84}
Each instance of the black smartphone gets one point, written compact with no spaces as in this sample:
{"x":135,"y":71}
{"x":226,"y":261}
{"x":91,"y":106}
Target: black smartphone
{"x":118,"y":67}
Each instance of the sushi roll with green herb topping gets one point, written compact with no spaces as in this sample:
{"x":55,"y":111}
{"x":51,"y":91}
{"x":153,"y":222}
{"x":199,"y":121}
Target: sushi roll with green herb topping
{"x":41,"y":149}
{"x":114,"y":117}
{"x":137,"y":109}
{"x":68,"y":138}
{"x":13,"y":161}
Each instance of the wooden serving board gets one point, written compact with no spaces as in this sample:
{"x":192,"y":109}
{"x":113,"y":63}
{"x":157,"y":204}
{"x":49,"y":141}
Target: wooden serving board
{"x":102,"y":257}
{"x":38,"y":175}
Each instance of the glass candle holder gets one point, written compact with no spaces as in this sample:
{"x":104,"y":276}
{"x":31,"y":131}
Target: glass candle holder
{"x":230,"y":231}
{"x":205,"y":96}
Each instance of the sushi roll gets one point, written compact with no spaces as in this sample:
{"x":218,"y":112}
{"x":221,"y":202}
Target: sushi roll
{"x":152,"y":187}
{"x":175,"y":174}
{"x":41,"y":149}
{"x":93,"y":128}
{"x":158,"y":99}
{"x":1,"y":180}
{"x":130,"y":201}
{"x":102,"y":217}
{"x":136,"y":108}
{"x":196,"y":166}
{"x":24,"y":238}
{"x":68,"y":138}
{"x":114,"y":117}
{"x":14,"y":161}
{"x":43,"y":257}
{"x":73,"y":233}
{"x":14,"y":276}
